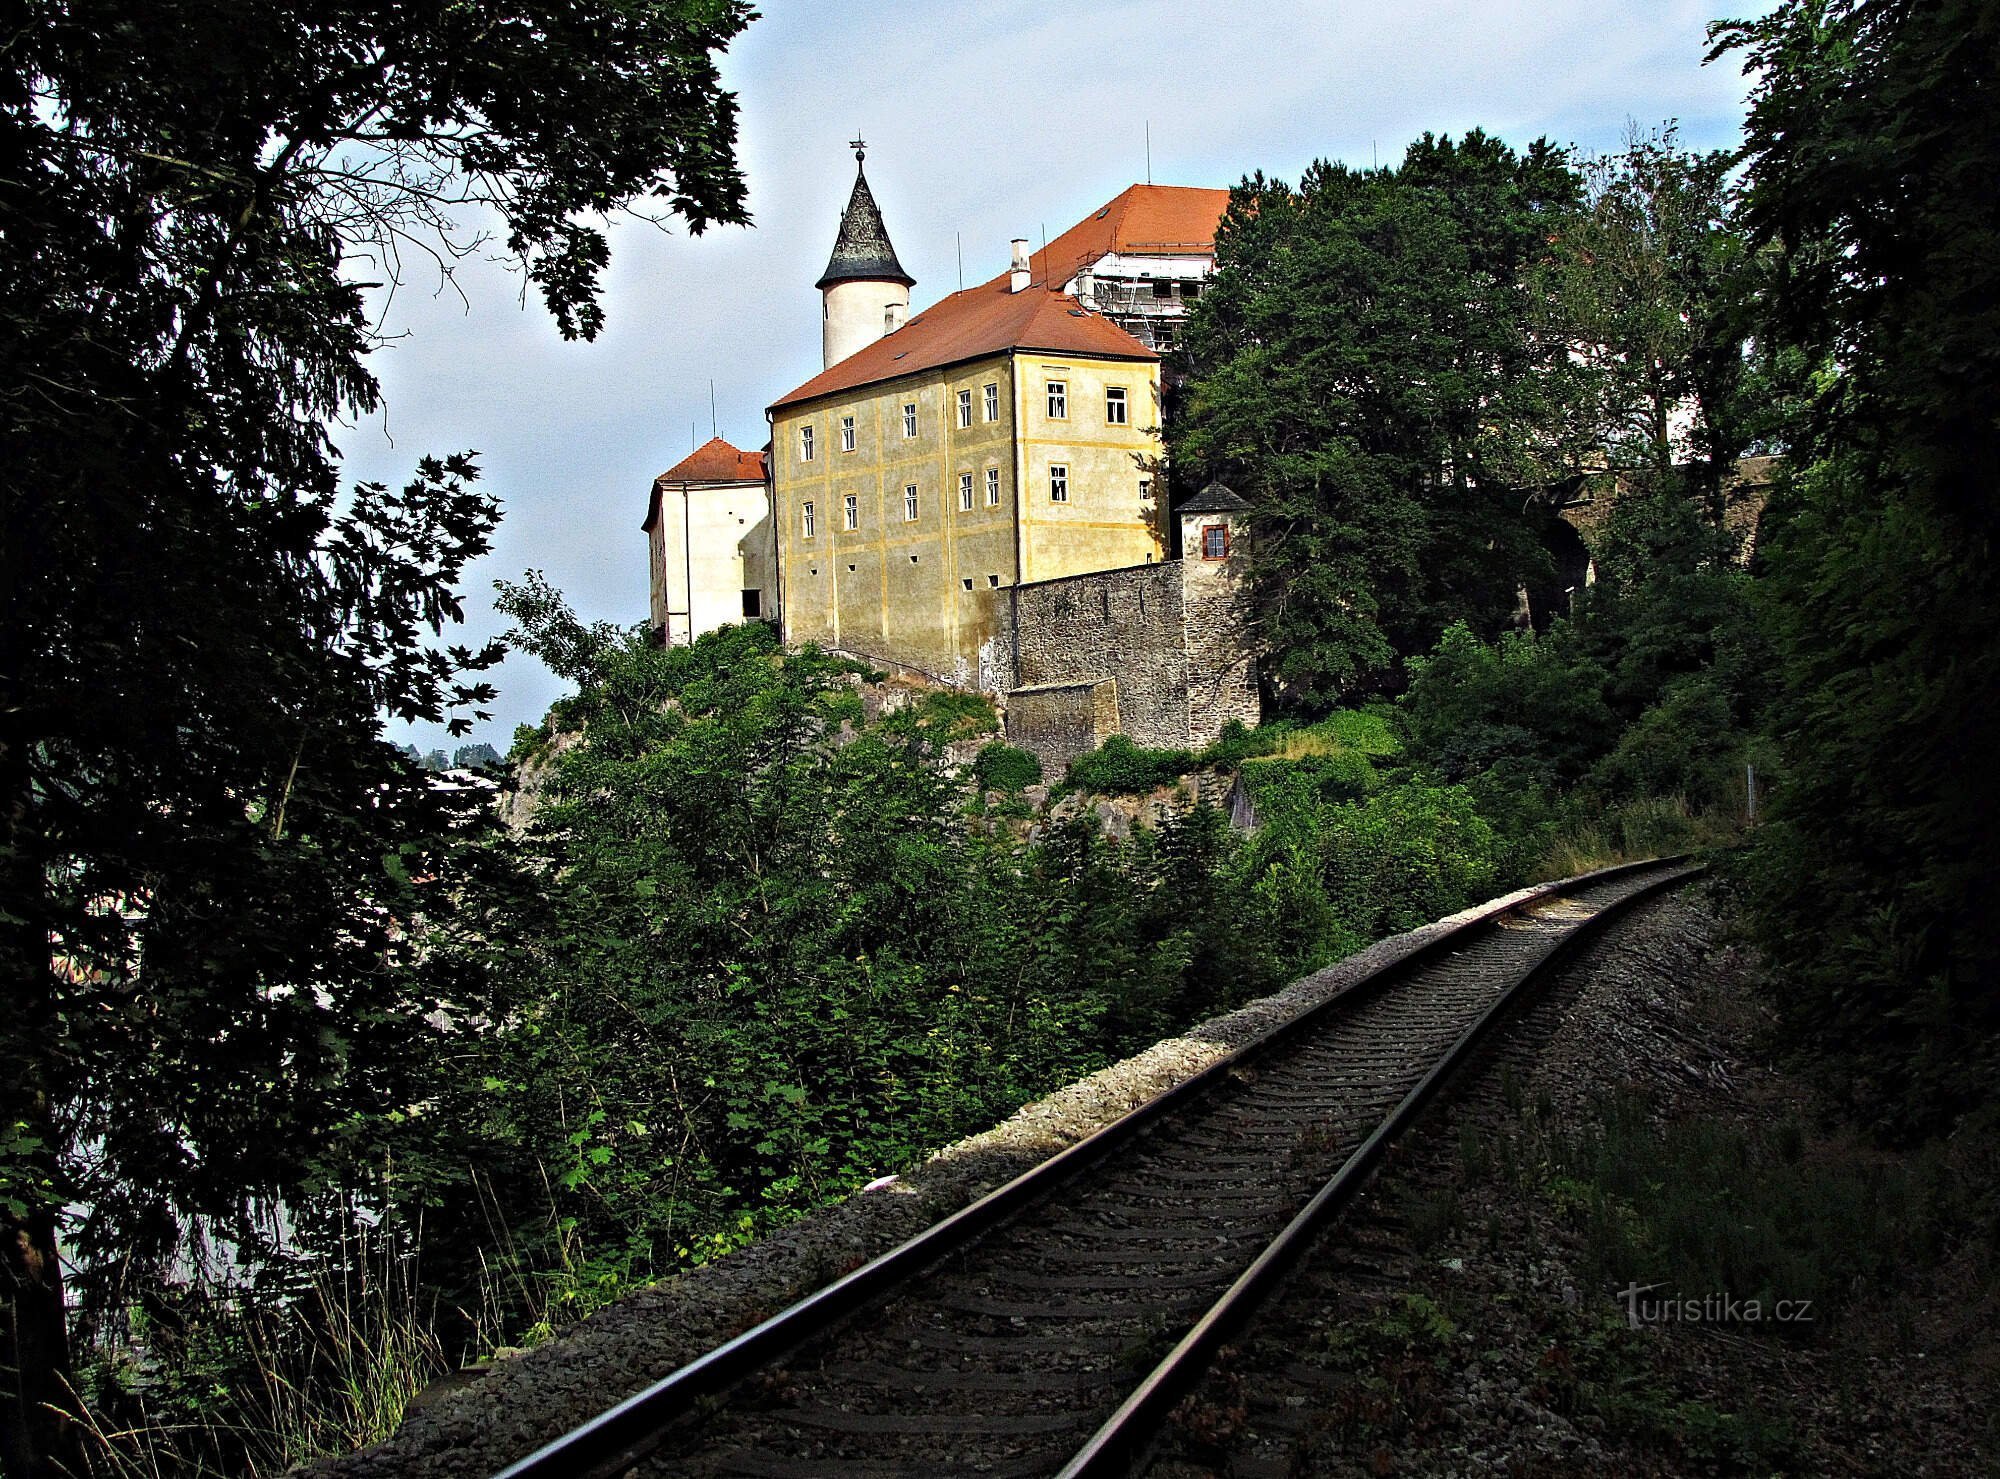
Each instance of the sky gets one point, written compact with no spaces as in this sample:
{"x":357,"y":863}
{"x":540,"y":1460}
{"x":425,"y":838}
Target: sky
{"x":983,"y":123}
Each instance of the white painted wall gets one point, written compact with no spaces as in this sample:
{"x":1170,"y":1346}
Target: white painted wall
{"x":727,"y":550}
{"x":857,"y":314}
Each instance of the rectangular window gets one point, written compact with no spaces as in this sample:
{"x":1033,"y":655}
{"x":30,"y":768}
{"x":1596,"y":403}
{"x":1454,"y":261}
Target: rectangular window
{"x":1190,"y":290}
{"x":753,"y":604}
{"x":1114,"y":405}
{"x":805,"y":444}
{"x":965,"y":492}
{"x":1163,"y":288}
{"x":850,"y":512}
{"x":910,"y":419}
{"x":993,"y":581}
{"x":806,"y":520}
{"x":993,"y":403}
{"x":1145,"y":490}
{"x":992,"y":487}
{"x":965,"y":408}
{"x":1215,"y":541}
{"x":1058,"y":399}
{"x":1058,"y":483}
{"x":847,"y":433}
{"x":909,"y":500}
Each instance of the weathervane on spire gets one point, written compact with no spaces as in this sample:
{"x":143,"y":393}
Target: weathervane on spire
{"x":858,"y":146}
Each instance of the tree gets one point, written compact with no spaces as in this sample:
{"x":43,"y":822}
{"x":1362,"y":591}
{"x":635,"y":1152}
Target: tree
{"x":205,"y":843}
{"x":1371,"y":368}
{"x":1873,"y":154}
{"x":1653,"y":283}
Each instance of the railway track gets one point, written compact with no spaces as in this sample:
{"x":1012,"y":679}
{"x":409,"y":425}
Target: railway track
{"x":1048,"y":1328}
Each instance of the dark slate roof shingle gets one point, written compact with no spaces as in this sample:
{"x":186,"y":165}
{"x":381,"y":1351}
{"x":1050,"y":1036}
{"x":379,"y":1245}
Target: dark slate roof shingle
{"x":861,"y":252}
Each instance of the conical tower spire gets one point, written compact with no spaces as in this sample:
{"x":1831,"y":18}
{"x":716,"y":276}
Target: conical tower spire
{"x":862,"y":252}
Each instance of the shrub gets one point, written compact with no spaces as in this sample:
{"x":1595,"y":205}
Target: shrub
{"x":956,"y":713}
{"x":1676,"y":747}
{"x":1120,"y":767}
{"x":1001,"y":767}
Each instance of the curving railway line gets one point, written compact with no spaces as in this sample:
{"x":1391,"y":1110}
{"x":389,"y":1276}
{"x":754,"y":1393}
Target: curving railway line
{"x":1049,"y":1328}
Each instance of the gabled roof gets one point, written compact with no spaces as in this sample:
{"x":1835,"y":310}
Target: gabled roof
{"x":980,"y":321}
{"x":1140,"y":221}
{"x":861,"y":249}
{"x":714,"y":461}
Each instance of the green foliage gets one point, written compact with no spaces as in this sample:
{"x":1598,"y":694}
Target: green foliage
{"x":1686,"y":745}
{"x":1367,"y":370}
{"x":1648,"y":287}
{"x":1873,"y":153}
{"x":1000,"y":767}
{"x":1334,"y":867}
{"x":1119,"y":767}
{"x":209,"y":855}
{"x":1531,"y":704}
{"x":958,"y":714}
{"x":1702,"y":1206}
{"x":1599,"y":1368}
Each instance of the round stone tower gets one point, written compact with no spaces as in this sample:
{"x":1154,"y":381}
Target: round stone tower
{"x":866,"y":290}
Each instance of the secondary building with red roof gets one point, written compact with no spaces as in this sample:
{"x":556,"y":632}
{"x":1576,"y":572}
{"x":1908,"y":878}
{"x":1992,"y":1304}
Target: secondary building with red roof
{"x":710,"y":543}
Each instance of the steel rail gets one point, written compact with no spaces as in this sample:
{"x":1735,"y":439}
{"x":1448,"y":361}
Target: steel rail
{"x":1116,"y":1447}
{"x":621,"y":1435}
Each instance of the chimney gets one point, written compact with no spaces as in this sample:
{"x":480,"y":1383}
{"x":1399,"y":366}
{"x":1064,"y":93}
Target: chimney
{"x":1019,"y":278}
{"x":893,"y":316}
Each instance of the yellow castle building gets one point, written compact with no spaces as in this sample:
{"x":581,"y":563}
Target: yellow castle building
{"x":1007,"y":434}
{"x":975,"y":494}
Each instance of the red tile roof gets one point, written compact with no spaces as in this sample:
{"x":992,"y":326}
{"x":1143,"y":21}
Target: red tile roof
{"x":970,"y":325}
{"x":714,"y":461}
{"x":1144,"y":220}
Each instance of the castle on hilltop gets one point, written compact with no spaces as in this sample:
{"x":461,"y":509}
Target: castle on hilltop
{"x":975,"y":495}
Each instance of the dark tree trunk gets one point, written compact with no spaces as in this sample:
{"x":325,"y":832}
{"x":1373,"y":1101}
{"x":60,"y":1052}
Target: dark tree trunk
{"x":36,"y":1432}
{"x":37,"y":1435}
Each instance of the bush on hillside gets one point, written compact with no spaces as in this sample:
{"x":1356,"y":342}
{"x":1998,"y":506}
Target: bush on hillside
{"x":1000,"y":767}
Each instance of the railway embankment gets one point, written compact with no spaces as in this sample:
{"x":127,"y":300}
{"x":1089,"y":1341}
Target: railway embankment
{"x":1630,"y":1244}
{"x":1554,"y":1274}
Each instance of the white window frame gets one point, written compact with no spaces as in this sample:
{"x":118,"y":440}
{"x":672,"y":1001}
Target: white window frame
{"x":993,"y":401}
{"x":992,"y":487}
{"x":1117,"y":407}
{"x":965,"y":408}
{"x":847,"y":433}
{"x":909,"y":418}
{"x":850,"y":511}
{"x":1058,"y":482}
{"x":965,"y":492}
{"x":807,"y":526}
{"x":1058,"y":399}
{"x":909,"y":502}
{"x":805,"y":444}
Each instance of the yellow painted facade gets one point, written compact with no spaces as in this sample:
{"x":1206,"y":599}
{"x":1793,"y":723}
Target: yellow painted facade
{"x":879,"y":553}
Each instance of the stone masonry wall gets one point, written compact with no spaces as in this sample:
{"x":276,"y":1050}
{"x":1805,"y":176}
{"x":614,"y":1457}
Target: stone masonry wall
{"x":1061,"y":721}
{"x":1123,"y":625}
{"x":1221,"y":668}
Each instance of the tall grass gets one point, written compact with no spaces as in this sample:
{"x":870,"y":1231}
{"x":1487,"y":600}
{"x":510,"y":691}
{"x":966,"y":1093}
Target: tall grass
{"x":265,"y":1389}
{"x":1650,"y":827}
